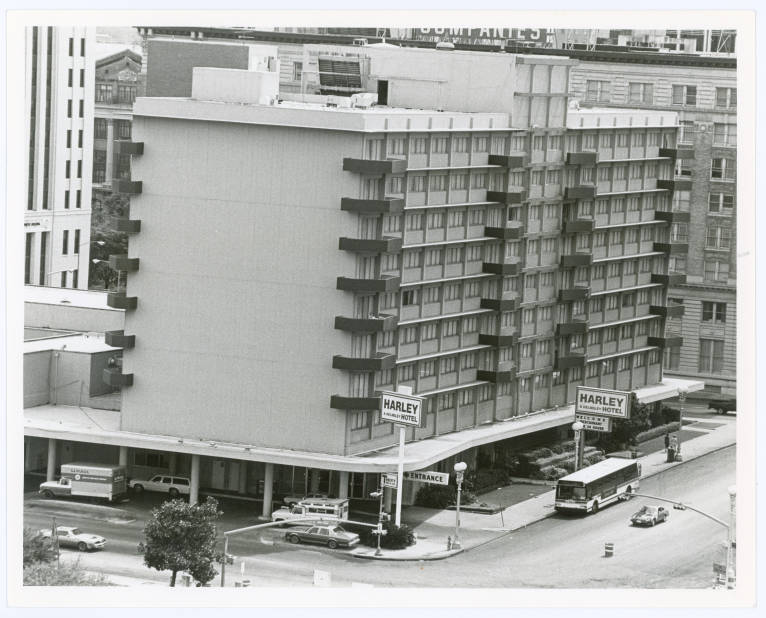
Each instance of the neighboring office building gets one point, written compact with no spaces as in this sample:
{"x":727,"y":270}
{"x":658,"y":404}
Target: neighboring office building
{"x":704,"y":95}
{"x":59,"y":131}
{"x":455,"y":253}
{"x":118,"y":82}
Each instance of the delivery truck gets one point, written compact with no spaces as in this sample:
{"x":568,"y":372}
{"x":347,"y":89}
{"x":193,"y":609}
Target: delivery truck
{"x":88,"y":480}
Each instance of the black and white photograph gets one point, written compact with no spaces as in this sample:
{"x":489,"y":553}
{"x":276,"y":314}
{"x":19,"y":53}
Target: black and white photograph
{"x":420,"y":305}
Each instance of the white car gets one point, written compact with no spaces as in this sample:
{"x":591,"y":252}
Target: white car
{"x":165,"y":483}
{"x":295,"y":499}
{"x":74,"y":537}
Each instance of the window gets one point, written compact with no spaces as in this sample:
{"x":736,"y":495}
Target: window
{"x":544,"y":346}
{"x":623,"y":364}
{"x":612,"y":302}
{"x":126,"y":94}
{"x":449,"y":328}
{"x":597,"y":90}
{"x":541,"y":381}
{"x":431,"y":294}
{"x":587,"y":175}
{"x":459,"y":181}
{"x":716,"y":270}
{"x":597,"y":304}
{"x":718,"y":237}
{"x":714,"y":312}
{"x":711,"y":356}
{"x":679,"y":232}
{"x":470,"y":325}
{"x":428,"y":331}
{"x":524,"y":385}
{"x":639,"y":92}
{"x":67,"y":169}
{"x":76,"y":249}
{"x":474,"y":253}
{"x":720,"y":203}
{"x":414,"y":221}
{"x":78,"y":201}
{"x":408,"y":334}
{"x":589,"y":141}
{"x":629,"y":267}
{"x":66,"y":199}
{"x":686,"y":131}
{"x":594,"y":337}
{"x":684,"y":95}
{"x":439,"y":182}
{"x":605,"y":140}
{"x":446,"y":401}
{"x":592,"y":370}
{"x":610,"y":334}
{"x":392,"y":223}
{"x":538,"y":142}
{"x":626,"y":332}
{"x":69,"y":78}
{"x":68,"y":138}
{"x":638,"y":139}
{"x":460,"y":144}
{"x":433,"y":257}
{"x":386,"y":340}
{"x":724,"y":134}
{"x":65,"y":247}
{"x":618,"y":172}
{"x":554,"y":142}
{"x":82,"y":77}
{"x":396,"y":184}
{"x":472,"y":289}
{"x":82,"y":47}
{"x":81,"y":108}
{"x":726,"y":97}
{"x":79,"y":138}
{"x":439,"y":145}
{"x":634,"y":203}
{"x":676,"y":264}
{"x":534,"y":213}
{"x":642,"y":328}
{"x":530,"y":281}
{"x":639,"y":360}
{"x":622,"y":139}
{"x":636,"y":172}
{"x":418,"y":145}
{"x":672,"y":358}
{"x":627,"y":299}
{"x":614,"y":269}
{"x":553,"y":177}
{"x":545,"y":314}
{"x":536,"y":177}
{"x":480,"y":144}
{"x":69,"y":108}
{"x":469,"y":360}
{"x":100,"y":128}
{"x":479,"y":181}
{"x":452,"y":291}
{"x":297,"y":71}
{"x":466,"y":397}
{"x":71,"y":46}
{"x":409,"y":297}
{"x":546,"y":280}
{"x":448,"y":365}
{"x":723,"y":169}
{"x":79,"y":168}
{"x":123,"y":128}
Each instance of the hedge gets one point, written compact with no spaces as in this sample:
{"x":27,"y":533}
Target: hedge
{"x":657,"y":431}
{"x":396,"y":537}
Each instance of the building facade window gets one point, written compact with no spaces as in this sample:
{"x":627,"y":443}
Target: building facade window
{"x":721,"y":203}
{"x":684,"y":95}
{"x":297,"y":71}
{"x":639,"y":92}
{"x":716,"y":270}
{"x":726,"y":97}
{"x":65,"y":243}
{"x":597,"y":90}
{"x":724,"y":134}
{"x":718,"y":237}
{"x":714,"y":312}
{"x":723,"y":169}
{"x":711,"y":356}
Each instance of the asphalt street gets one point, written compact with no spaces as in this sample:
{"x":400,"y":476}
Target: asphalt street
{"x":558,"y":552}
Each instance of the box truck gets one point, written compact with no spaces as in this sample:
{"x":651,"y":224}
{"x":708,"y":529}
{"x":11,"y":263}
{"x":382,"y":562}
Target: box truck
{"x":90,"y":480}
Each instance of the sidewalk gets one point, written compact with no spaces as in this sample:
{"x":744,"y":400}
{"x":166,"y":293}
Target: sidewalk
{"x":433,"y":527}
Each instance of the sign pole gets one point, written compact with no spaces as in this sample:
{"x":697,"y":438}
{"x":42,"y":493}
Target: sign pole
{"x":400,"y":477}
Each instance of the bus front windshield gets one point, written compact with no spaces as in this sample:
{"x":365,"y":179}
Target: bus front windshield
{"x":569,"y":492}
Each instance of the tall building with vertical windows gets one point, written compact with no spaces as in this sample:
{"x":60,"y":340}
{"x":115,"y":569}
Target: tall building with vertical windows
{"x":703,"y":92}
{"x":59,"y":130}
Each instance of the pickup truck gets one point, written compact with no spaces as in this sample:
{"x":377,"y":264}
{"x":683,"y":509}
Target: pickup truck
{"x":331,"y":535}
{"x":722,"y":406}
{"x":88,"y":480}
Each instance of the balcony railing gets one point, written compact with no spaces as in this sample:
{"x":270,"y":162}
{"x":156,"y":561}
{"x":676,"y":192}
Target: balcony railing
{"x":513,"y":230}
{"x":341,"y":402}
{"x":507,"y":197}
{"x":574,"y":293}
{"x":578,"y":225}
{"x":375,"y":166}
{"x":387,"y":205}
{"x":370,"y":324}
{"x":383,"y":284}
{"x":495,"y":268}
{"x":378,"y":362}
{"x":497,"y":304}
{"x":582,"y":192}
{"x":371,"y":245}
{"x":665,"y":342}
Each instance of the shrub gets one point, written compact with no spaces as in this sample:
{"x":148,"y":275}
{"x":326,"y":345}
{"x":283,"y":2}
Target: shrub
{"x":396,"y":537}
{"x":657,"y":431}
{"x":37,"y":548}
{"x":557,"y":449}
{"x":436,"y":496}
{"x":482,"y":480}
{"x":65,"y":574}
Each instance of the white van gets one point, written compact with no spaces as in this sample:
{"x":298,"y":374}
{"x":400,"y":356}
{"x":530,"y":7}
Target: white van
{"x":318,"y":509}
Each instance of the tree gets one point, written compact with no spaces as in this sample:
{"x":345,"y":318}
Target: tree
{"x":182,"y":537}
{"x":624,"y":431}
{"x":37,"y":548}
{"x":104,"y":216}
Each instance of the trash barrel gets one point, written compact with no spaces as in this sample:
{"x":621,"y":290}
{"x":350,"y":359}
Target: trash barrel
{"x":608,"y":550}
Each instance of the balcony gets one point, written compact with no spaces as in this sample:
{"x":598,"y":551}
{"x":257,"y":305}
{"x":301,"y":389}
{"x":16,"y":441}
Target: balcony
{"x":498,"y":341}
{"x":118,"y":339}
{"x":498,"y":377}
{"x":371,"y":324}
{"x":497,"y":304}
{"x":374,"y":166}
{"x":672,"y":216}
{"x":340,"y":402}
{"x":507,"y":197}
{"x":576,"y":259}
{"x":500,"y":269}
{"x":670,"y":280}
{"x":509,"y":161}
{"x":115,"y":377}
{"x":130,"y":226}
{"x":582,"y":158}
{"x":578,"y":225}
{"x":388,"y":205}
{"x":667,"y":311}
{"x":372,"y":245}
{"x":679,"y":184}
{"x":677,"y":153}
{"x":123,"y":262}
{"x":129,"y":187}
{"x":581,"y":192}
{"x":665,"y":342}
{"x":118,"y":300}
{"x":575,"y":293}
{"x":671,"y":248}
{"x":379,"y":362}
{"x":573,"y":327}
{"x":513,"y":230}
{"x":383,"y":284}
{"x":128,"y":147}
{"x":569,"y":360}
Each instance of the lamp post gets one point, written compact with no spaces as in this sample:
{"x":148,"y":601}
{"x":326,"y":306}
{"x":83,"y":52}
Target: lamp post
{"x":460,"y":469}
{"x":681,"y":400}
{"x":578,"y":427}
{"x":379,"y":529}
{"x":731,"y":571}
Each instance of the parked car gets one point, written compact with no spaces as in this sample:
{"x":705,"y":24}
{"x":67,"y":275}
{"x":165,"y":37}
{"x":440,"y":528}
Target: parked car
{"x":74,"y":537}
{"x":722,"y":406}
{"x":331,"y":535}
{"x":173,"y":485}
{"x":290,"y":500}
{"x":650,"y":515}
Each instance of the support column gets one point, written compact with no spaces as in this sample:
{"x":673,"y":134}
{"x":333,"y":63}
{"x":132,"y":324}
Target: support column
{"x":343,"y":484}
{"x":194,"y":487}
{"x":268,"y":484}
{"x":314,"y":481}
{"x":50,"y":473}
{"x":243,"y":477}
{"x":172,"y":463}
{"x":123,"y":460}
{"x":388,"y":499}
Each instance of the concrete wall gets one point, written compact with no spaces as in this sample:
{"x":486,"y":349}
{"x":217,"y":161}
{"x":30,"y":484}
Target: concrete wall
{"x":70,"y":317}
{"x":237,"y":288}
{"x":37,"y":378}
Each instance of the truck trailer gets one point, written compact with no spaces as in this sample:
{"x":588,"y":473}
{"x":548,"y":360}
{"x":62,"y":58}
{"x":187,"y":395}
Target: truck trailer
{"x":88,"y":480}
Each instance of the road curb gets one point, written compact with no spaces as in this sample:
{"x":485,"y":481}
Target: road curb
{"x":430,"y":557}
{"x":108,"y":513}
{"x":688,"y":459}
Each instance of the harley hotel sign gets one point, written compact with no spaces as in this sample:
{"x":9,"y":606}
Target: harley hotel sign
{"x":602,"y":402}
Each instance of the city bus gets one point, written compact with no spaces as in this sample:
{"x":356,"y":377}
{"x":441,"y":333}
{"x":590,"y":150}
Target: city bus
{"x":589,"y":489}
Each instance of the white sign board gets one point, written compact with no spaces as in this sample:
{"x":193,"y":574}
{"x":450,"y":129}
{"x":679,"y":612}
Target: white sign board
{"x":401,"y":409}
{"x":388,"y":480}
{"x":602,"y":402}
{"x":322,"y":579}
{"x":435,"y":478}
{"x":591,"y":422}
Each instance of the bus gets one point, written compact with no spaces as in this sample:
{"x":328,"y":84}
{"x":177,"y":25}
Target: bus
{"x":589,"y":489}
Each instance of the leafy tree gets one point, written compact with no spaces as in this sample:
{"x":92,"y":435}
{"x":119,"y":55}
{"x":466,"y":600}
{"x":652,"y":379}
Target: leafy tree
{"x":624,"y":431}
{"x":105,"y":214}
{"x":37,"y":548}
{"x":182,"y":537}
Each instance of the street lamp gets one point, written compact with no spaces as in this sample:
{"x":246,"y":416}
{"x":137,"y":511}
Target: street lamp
{"x":681,"y":400}
{"x":460,"y":469}
{"x":578,"y":427}
{"x":379,"y":529}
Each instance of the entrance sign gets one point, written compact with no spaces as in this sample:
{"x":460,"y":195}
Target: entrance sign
{"x":602,"y":402}
{"x":435,"y":478}
{"x":388,"y":480}
{"x":401,"y":409}
{"x":591,"y":422}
